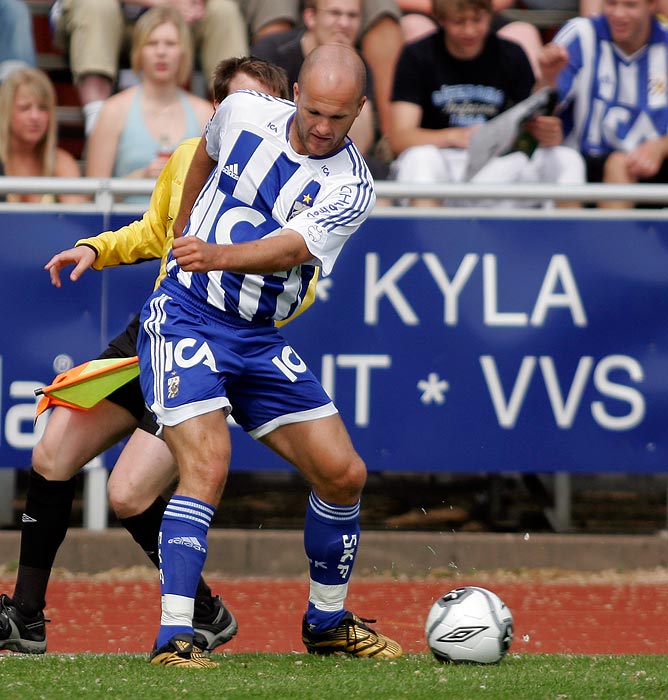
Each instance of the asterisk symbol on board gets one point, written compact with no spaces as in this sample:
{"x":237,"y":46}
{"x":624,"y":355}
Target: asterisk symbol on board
{"x":433,"y":388}
{"x":322,"y":289}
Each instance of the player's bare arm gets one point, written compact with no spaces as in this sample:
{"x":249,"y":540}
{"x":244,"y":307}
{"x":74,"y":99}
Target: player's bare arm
{"x":200,"y":169}
{"x":82,"y":257}
{"x":261,"y":257}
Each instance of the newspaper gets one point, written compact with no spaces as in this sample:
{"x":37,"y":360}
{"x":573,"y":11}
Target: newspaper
{"x":499,"y":135}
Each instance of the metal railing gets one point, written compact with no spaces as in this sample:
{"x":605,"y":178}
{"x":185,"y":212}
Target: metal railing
{"x":105,"y":192}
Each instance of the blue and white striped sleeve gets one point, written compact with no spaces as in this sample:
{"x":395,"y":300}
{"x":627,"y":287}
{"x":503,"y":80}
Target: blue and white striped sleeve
{"x":571,"y":36}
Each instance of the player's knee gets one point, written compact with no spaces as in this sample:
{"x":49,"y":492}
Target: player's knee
{"x":45,"y":464}
{"x":346,"y":485}
{"x":124,"y":500}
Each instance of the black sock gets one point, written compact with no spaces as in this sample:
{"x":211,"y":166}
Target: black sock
{"x":145,"y":529}
{"x":44,"y":525}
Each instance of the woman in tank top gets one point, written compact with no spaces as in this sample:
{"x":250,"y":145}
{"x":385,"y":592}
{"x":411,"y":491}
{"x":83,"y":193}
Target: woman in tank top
{"x":28,"y":142}
{"x":139,"y":127}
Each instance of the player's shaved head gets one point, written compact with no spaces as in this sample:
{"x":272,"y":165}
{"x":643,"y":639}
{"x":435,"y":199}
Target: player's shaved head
{"x":334,"y":66}
{"x":329,"y":96}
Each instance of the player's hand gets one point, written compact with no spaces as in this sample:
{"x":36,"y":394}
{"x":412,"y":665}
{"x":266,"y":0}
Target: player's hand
{"x":552,"y":59}
{"x":645,"y":160}
{"x":82,"y":257}
{"x":547,"y":130}
{"x":194,"y":255}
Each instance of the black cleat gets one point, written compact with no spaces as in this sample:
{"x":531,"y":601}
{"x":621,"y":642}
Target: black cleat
{"x":20,"y":633}
{"x":215,"y":623}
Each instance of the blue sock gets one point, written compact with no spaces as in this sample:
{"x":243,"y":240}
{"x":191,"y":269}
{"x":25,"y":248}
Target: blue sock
{"x":182,"y":550}
{"x":331,"y":536}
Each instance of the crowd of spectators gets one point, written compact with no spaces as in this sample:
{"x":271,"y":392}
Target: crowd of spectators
{"x":437,"y":70}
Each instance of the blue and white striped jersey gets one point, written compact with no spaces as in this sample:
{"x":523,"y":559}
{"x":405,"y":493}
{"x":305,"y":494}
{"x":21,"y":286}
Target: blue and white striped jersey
{"x":262,"y":185}
{"x":611,"y":101}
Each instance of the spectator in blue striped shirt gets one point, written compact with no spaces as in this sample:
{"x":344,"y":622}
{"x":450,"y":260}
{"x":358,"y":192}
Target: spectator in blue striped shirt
{"x":611,"y":72}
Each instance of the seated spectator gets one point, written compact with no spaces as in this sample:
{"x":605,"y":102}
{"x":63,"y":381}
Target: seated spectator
{"x":610,"y":72}
{"x":418,"y":21}
{"x":17,"y":43}
{"x":140,"y":127}
{"x":448,"y":83}
{"x":28,"y":146}
{"x":94,"y":33}
{"x":325,"y":21}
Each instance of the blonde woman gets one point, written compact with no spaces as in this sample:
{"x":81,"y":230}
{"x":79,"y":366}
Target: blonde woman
{"x":28,"y":144}
{"x":140,"y":127}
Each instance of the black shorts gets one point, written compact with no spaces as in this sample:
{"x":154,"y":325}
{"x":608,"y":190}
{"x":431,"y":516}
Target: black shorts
{"x":129,"y":395}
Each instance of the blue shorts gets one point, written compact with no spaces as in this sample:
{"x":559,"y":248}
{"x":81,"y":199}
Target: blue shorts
{"x":195,"y":359}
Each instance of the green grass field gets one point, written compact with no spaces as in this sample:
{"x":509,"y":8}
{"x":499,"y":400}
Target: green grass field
{"x":304,"y":677}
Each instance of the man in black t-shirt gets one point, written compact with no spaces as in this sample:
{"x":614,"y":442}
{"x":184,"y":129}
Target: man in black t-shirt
{"x":456,"y":79}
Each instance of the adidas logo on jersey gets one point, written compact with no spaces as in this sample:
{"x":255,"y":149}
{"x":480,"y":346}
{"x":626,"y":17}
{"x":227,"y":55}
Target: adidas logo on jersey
{"x":25,"y":518}
{"x":191,"y":542}
{"x":231,"y":170}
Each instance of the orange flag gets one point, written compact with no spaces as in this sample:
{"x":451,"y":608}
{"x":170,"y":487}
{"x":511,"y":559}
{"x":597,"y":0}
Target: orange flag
{"x":87,"y":384}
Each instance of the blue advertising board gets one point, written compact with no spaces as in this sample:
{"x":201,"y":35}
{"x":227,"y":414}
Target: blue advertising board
{"x":448,"y":344}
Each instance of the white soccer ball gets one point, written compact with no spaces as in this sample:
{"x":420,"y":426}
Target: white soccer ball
{"x":469,"y":624}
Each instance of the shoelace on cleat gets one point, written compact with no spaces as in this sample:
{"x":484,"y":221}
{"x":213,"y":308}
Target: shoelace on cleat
{"x":353,"y":623}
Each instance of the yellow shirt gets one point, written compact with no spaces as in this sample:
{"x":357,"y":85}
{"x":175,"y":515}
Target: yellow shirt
{"x":151,"y":236}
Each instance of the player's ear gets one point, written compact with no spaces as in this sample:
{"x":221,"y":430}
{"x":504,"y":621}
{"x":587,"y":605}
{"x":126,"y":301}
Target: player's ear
{"x":309,"y":17}
{"x":295,"y":92}
{"x":361,"y":105}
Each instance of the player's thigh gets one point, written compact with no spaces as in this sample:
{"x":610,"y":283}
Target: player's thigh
{"x":185,"y":359}
{"x":143,"y":471}
{"x":201,"y":447}
{"x":323,"y":452}
{"x":73,"y":437}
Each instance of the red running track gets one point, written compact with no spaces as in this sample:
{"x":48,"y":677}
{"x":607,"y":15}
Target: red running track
{"x":122,"y":616}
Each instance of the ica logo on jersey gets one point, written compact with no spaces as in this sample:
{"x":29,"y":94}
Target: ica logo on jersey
{"x":189,"y":352}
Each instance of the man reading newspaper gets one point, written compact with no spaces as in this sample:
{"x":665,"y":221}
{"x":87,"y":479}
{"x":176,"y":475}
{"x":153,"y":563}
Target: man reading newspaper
{"x":450,"y":84}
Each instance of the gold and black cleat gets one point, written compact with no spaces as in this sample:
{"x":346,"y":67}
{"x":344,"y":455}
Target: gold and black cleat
{"x":180,"y":651}
{"x":351,"y":636}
